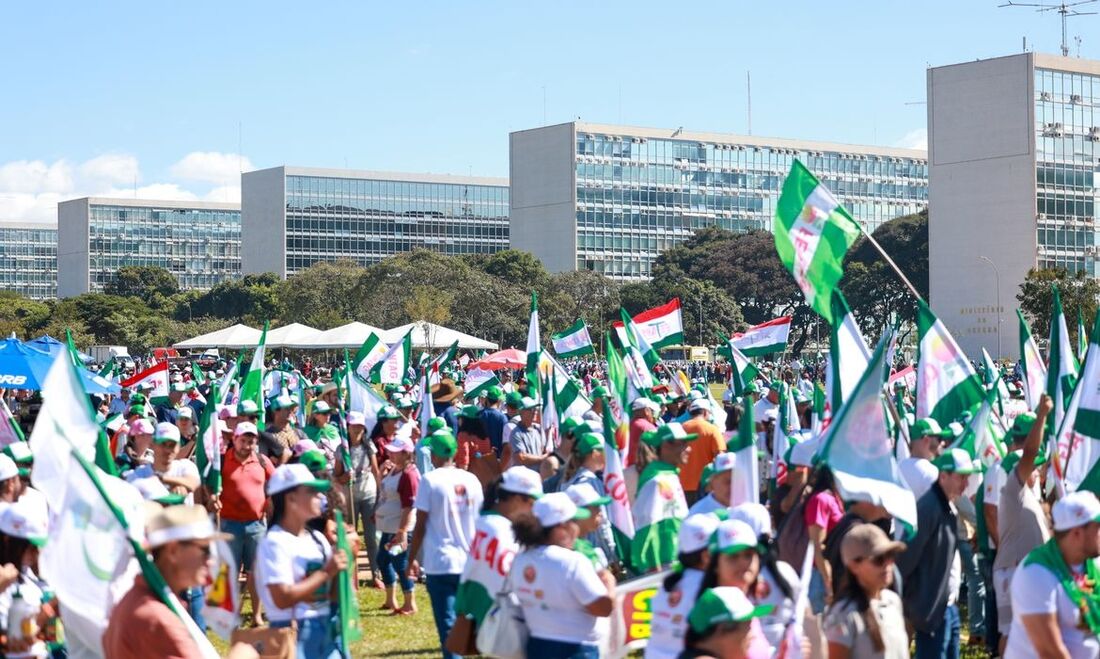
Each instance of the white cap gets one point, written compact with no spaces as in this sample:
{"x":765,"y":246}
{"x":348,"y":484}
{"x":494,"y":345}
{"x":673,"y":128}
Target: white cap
{"x":26,"y":518}
{"x":1075,"y":509}
{"x":699,"y":404}
{"x":141,"y":427}
{"x":755,"y":515}
{"x":166,"y":432}
{"x":8,"y":468}
{"x":733,"y":536}
{"x":521,"y":480}
{"x":644,"y":403}
{"x":186,"y":412}
{"x":245,"y":427}
{"x":723,"y":462}
{"x":356,"y":419}
{"x":404,"y":445}
{"x":695,"y":532}
{"x":290,"y":476}
{"x":584,"y":495}
{"x":556,"y":508}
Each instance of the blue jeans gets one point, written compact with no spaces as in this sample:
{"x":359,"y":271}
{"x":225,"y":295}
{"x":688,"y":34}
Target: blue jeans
{"x":547,"y":649}
{"x":194,"y":598}
{"x":316,"y":638}
{"x":943,"y":641}
{"x":393,"y":567}
{"x":246,"y":537}
{"x":442,"y":589}
{"x":975,"y":589}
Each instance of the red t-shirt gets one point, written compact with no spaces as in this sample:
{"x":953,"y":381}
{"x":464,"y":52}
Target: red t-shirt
{"x":468,"y":445}
{"x":243,"y":495}
{"x":408,"y":485}
{"x":637,"y":427}
{"x":142,"y":626}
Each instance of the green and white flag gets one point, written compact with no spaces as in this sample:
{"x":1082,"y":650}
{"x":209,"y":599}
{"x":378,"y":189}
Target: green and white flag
{"x":1082,"y":338}
{"x":637,"y":342}
{"x":745,"y":478}
{"x":196,"y":374}
{"x":208,"y":450}
{"x":946,"y":383}
{"x":568,"y":397}
{"x":660,"y":327}
{"x":573,"y":342}
{"x":616,"y":374}
{"x":444,"y":359}
{"x":109,"y":370}
{"x":534,"y":344}
{"x":763,"y":339}
{"x":549,"y":421}
{"x":350,"y":626}
{"x":742,"y":370}
{"x":618,"y":511}
{"x":479,"y":380}
{"x":857,"y":446}
{"x":369,"y":354}
{"x":393,"y":366}
{"x":1031,"y":361}
{"x":1062,"y":365}
{"x":983,"y":438}
{"x":1078,"y":438}
{"x":848,"y":354}
{"x":253,"y":386}
{"x":658,"y":509}
{"x":427,"y":408}
{"x":812,"y":234}
{"x":10,"y":432}
{"x":363,"y":398}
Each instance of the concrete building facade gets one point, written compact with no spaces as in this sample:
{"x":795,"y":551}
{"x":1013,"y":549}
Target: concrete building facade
{"x":1014,"y":154}
{"x":198,"y":242}
{"x":28,"y":259}
{"x":611,"y":198}
{"x":293,"y":217}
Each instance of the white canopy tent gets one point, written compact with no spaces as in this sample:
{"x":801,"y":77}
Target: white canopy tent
{"x":235,"y":336}
{"x":428,"y":335}
{"x":351,"y":335}
{"x":294,"y":335}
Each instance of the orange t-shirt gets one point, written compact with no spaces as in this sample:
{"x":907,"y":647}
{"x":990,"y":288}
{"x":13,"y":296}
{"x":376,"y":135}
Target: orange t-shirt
{"x":143,"y":626}
{"x":703,"y":451}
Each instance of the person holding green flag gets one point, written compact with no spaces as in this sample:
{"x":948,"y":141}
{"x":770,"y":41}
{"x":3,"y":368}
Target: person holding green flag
{"x":660,"y":504}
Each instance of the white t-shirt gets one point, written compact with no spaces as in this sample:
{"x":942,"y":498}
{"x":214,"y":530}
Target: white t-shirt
{"x":177,"y":468}
{"x":282,"y":558}
{"x":553,"y":585}
{"x":707,"y":504}
{"x":761,"y":407}
{"x":919,"y":475}
{"x":452,"y":499}
{"x":775,"y":622}
{"x":994,"y":481}
{"x":670,"y":609}
{"x":1035,"y":589}
{"x":491,"y":555}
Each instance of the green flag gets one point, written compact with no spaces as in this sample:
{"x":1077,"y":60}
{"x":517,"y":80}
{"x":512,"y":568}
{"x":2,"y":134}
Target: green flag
{"x":1078,"y":438}
{"x":946,"y":382}
{"x":1062,"y":365}
{"x":534,"y":345}
{"x":745,"y":481}
{"x":812,"y":234}
{"x":616,"y":374}
{"x":350,"y":629}
{"x":574,"y":341}
{"x":253,"y":386}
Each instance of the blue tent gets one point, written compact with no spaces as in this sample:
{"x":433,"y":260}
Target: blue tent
{"x":24,"y":367}
{"x":47,"y":343}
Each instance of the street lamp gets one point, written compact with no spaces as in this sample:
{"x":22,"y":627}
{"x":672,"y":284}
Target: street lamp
{"x":997,"y":279}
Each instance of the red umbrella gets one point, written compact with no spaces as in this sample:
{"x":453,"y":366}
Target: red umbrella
{"x":509,"y":358}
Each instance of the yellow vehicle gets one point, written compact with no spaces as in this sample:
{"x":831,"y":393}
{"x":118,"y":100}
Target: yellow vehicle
{"x":685,"y":353}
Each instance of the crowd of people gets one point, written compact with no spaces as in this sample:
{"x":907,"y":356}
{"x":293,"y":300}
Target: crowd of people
{"x":472,"y":499}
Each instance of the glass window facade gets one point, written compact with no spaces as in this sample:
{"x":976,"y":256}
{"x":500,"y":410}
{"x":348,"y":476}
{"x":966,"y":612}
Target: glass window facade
{"x":28,"y":260}
{"x":636,"y":197}
{"x":200,"y":246}
{"x":1067,"y":172}
{"x":366,"y":220}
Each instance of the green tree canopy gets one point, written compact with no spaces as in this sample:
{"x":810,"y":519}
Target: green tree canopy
{"x":1079,"y":292}
{"x":321,"y":296}
{"x":150,"y":284}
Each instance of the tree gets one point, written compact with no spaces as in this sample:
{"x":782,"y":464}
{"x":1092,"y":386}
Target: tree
{"x":429,"y":304}
{"x":321,"y":295}
{"x":251,"y":300}
{"x":873,"y":290}
{"x":150,"y":284}
{"x":20,"y":315}
{"x":515,"y":267}
{"x":1078,"y":291}
{"x":583,"y":294}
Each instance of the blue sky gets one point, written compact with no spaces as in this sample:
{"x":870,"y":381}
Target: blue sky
{"x":95,"y":97}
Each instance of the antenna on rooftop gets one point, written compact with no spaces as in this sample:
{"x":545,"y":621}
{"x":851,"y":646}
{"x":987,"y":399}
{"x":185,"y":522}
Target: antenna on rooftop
{"x":1066,"y":9}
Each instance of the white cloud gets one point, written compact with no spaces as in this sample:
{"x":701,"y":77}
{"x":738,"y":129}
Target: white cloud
{"x":35,"y":177}
{"x":914,"y":139}
{"x":211,"y":167}
{"x":230,"y":194}
{"x":166,"y":191}
{"x":27,"y":207}
{"x":110,"y":169}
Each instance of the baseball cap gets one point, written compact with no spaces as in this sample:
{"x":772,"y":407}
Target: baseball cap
{"x":26,"y":518}
{"x":321,"y":407}
{"x":1075,"y":509}
{"x":290,"y":476}
{"x":696,"y":531}
{"x":1022,"y":424}
{"x":556,"y":508}
{"x":958,"y":461}
{"x":521,"y":480}
{"x":755,"y":515}
{"x":723,"y":462}
{"x":867,"y":541}
{"x":644,"y":403}
{"x":248,"y":408}
{"x":314,"y":460}
{"x":732,"y":536}
{"x":469,"y":412}
{"x":527,"y":403}
{"x":699,"y":404}
{"x":405,"y":402}
{"x":927,"y":427}
{"x":400,"y":445}
{"x":138,"y":409}
{"x":569,"y":426}
{"x":166,"y":432}
{"x":442,"y":443}
{"x":8,"y":468}
{"x":245,"y":428}
{"x":599,"y":391}
{"x":282,"y":402}
{"x":178,"y":386}
{"x":356,"y":419}
{"x":588,"y":442}
{"x":387,"y":412}
{"x":181,"y":523}
{"x":670,"y":432}
{"x":750,"y":388}
{"x":141,"y":427}
{"x":513,"y":399}
{"x":494,"y":393}
{"x":436,"y":423}
{"x":583,"y":494}
{"x":185,"y":412}
{"x":721,"y":605}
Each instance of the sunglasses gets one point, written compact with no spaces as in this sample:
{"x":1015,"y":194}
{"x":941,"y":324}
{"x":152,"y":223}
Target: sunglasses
{"x":204,"y":547}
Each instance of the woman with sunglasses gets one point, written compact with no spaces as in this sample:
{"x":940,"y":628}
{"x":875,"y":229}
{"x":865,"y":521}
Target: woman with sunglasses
{"x":295,"y":565}
{"x":865,"y":621}
{"x":735,"y":562}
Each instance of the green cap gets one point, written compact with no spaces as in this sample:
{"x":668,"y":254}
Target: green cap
{"x":436,"y":423}
{"x":19,"y":452}
{"x":321,"y":407}
{"x":589,"y":442}
{"x":388,"y":412}
{"x":927,"y":427}
{"x":513,"y":399}
{"x":704,"y":477}
{"x":527,"y":403}
{"x":494,"y":393}
{"x":389,"y":388}
{"x":1021,"y":426}
{"x":470,"y":412}
{"x":723,"y":604}
{"x":750,"y":388}
{"x":570,"y":425}
{"x":247,"y":408}
{"x":137,"y":399}
{"x":442,"y":444}
{"x":315,"y":460}
{"x":958,"y":461}
{"x":670,"y":432}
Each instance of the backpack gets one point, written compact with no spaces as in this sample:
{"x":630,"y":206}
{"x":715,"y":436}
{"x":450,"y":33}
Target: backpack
{"x":793,"y":538}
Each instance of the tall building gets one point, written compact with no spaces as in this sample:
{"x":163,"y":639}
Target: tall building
{"x":609,"y":198}
{"x":28,"y":259}
{"x":1014,"y":147}
{"x":294,"y":217}
{"x":198,"y":242}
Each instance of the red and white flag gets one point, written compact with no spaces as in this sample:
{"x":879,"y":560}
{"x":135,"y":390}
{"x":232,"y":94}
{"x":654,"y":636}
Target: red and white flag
{"x":154,"y":378}
{"x":763,"y":339}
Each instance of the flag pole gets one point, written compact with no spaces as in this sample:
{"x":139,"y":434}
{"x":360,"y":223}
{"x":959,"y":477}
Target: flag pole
{"x":897,"y":270}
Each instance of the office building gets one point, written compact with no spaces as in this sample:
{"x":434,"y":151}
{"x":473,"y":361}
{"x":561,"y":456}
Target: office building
{"x":610,"y":198}
{"x":1014,"y":147}
{"x":28,"y":259}
{"x":294,"y":217}
{"x":198,"y":242}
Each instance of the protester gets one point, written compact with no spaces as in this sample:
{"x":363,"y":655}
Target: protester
{"x":926,"y":442}
{"x":822,"y":512}
{"x":716,"y":482}
{"x":395,"y":518}
{"x":586,"y":460}
{"x":720,"y":625}
{"x":709,"y":444}
{"x":494,"y":420}
{"x":528,"y":447}
{"x":359,"y":473}
{"x":674,"y":599}
{"x":660,"y":505}
{"x":280,"y":435}
{"x":778,"y":584}
{"x":559,"y":589}
{"x":735,"y":562}
{"x":295,"y":565}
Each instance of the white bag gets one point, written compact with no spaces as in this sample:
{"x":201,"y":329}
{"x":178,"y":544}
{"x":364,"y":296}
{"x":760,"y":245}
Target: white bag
{"x":503,"y":632}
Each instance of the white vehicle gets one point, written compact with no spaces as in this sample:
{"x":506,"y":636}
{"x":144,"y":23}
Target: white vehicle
{"x":104,"y":354}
